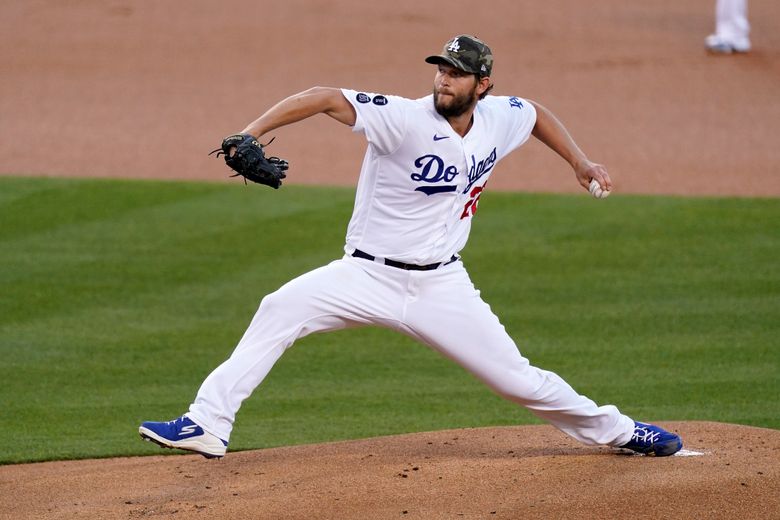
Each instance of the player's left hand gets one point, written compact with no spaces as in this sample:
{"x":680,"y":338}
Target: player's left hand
{"x":588,"y":171}
{"x":247,"y":158}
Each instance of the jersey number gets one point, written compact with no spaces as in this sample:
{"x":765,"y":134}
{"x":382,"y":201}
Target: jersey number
{"x":471,"y":206}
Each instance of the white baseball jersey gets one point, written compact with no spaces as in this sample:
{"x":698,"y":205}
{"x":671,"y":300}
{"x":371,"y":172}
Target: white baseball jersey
{"x":420,"y":181}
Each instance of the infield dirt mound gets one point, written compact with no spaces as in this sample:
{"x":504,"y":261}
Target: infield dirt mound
{"x":507,"y":472}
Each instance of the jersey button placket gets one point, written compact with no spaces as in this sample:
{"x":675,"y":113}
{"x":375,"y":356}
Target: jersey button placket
{"x":463,"y":181}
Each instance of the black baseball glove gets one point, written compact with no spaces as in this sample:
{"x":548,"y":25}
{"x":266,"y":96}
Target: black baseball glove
{"x":249,"y":161}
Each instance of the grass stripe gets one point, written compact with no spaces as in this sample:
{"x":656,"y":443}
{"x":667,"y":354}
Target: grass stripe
{"x":118,"y":297}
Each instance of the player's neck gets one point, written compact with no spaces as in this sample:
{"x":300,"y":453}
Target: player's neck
{"x":462,"y":123}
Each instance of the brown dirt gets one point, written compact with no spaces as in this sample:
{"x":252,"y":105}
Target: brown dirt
{"x":145,"y":89}
{"x":510,"y":472}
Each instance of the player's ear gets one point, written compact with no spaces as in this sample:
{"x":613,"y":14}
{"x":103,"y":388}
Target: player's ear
{"x":483,"y":84}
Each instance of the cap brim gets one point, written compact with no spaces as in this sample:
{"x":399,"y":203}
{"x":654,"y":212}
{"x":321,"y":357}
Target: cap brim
{"x":437,"y":60}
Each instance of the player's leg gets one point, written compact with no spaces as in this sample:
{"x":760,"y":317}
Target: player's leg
{"x":451,"y":317}
{"x":732,"y":22}
{"x":732,"y":28}
{"x":335,"y":296}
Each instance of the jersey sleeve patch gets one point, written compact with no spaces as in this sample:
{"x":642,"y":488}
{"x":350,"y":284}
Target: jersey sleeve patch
{"x":382,"y":119}
{"x":521,"y":118}
{"x":378,"y":100}
{"x":516,"y":102}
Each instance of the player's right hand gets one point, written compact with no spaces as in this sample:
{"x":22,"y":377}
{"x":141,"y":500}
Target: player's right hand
{"x":587,"y":171}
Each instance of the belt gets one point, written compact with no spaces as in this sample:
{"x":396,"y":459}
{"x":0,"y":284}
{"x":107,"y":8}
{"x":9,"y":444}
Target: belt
{"x":401,"y":265}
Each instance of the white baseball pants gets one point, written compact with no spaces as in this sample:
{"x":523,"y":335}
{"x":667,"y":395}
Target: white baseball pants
{"x":731,"y":23}
{"x":440,"y":308}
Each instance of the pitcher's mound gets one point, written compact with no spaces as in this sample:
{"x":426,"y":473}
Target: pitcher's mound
{"x":726,"y":471}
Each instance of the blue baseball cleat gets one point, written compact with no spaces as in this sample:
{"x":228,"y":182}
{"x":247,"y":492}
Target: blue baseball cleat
{"x":184,"y":434}
{"x":653,"y":440}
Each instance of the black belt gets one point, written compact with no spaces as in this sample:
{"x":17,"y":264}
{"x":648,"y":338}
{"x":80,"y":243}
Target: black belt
{"x":400,"y":265}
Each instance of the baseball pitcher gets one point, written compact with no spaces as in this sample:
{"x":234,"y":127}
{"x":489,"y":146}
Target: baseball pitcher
{"x":427,"y":162}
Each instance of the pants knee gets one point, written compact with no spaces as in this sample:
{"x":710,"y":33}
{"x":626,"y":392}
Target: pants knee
{"x":519,"y":384}
{"x":279,"y":302}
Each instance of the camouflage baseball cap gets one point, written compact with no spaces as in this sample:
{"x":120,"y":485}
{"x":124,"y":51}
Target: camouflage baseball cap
{"x":466,"y":53}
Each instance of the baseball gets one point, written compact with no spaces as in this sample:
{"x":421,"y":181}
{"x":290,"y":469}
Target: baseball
{"x":596,"y":190}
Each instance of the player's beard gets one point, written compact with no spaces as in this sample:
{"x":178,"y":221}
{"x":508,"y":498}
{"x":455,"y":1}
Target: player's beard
{"x":458,"y":106}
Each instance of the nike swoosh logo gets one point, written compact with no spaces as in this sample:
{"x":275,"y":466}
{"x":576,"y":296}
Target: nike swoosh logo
{"x":440,"y":137}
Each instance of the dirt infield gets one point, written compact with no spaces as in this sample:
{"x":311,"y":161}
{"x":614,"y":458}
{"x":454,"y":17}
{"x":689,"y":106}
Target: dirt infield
{"x":145,"y":89}
{"x":512,"y":472}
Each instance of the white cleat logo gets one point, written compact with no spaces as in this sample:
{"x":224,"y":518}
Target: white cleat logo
{"x":187,"y":430}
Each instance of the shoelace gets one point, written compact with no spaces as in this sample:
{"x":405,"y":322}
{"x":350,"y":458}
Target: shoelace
{"x":645,"y":435}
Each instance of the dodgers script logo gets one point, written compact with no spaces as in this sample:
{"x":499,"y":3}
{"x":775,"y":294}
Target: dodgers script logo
{"x":432,"y":170}
{"x":479,"y":169}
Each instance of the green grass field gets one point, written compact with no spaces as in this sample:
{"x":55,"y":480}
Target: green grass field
{"x":118,"y":297}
